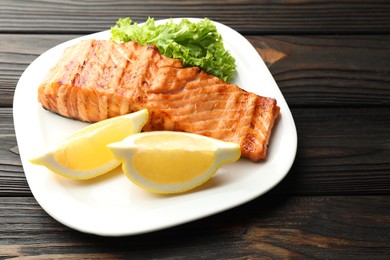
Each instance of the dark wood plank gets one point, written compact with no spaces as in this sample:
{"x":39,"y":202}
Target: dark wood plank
{"x":270,"y":227}
{"x":12,"y":179}
{"x":310,"y":70}
{"x":340,"y":151}
{"x":329,"y":70}
{"x":264,"y":17}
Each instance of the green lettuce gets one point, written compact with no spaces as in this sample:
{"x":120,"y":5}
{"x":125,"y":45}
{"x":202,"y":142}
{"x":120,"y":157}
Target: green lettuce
{"x":196,"y":44}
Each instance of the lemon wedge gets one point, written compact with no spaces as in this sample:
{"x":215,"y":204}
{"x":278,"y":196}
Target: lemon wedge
{"x":172,"y":162}
{"x":84,"y":154}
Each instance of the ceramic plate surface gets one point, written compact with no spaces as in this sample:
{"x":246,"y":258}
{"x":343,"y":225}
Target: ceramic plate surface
{"x":113,"y":206}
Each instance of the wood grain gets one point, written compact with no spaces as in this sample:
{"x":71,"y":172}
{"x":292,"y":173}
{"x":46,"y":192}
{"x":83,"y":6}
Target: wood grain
{"x":329,"y":70}
{"x":12,"y":178}
{"x":310,"y":70}
{"x":340,"y":151}
{"x":268,"y":227}
{"x":250,"y":17}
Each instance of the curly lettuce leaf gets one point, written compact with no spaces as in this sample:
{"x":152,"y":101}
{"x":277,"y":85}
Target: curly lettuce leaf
{"x":196,"y":44}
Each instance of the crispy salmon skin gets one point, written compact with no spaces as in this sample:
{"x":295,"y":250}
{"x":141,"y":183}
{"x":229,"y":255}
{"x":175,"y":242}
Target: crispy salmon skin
{"x":99,"y":79}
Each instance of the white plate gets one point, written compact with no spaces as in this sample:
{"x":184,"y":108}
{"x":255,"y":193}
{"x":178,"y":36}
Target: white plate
{"x":111,"y":205}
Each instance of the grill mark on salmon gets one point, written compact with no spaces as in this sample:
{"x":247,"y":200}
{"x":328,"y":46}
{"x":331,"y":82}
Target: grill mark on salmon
{"x":96,"y":79}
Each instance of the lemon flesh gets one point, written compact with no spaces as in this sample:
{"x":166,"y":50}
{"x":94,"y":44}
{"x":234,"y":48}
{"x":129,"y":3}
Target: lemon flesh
{"x":84,"y":154}
{"x":172,"y":162}
{"x":173,"y":167}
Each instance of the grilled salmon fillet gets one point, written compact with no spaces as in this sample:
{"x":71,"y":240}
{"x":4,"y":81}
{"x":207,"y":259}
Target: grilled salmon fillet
{"x":99,"y":79}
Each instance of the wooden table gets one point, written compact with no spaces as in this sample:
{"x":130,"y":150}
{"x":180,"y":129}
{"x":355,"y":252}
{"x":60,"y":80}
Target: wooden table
{"x":331,"y":61}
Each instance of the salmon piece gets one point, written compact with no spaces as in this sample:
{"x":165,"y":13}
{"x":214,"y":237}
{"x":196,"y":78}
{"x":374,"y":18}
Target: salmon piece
{"x":97,"y":79}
